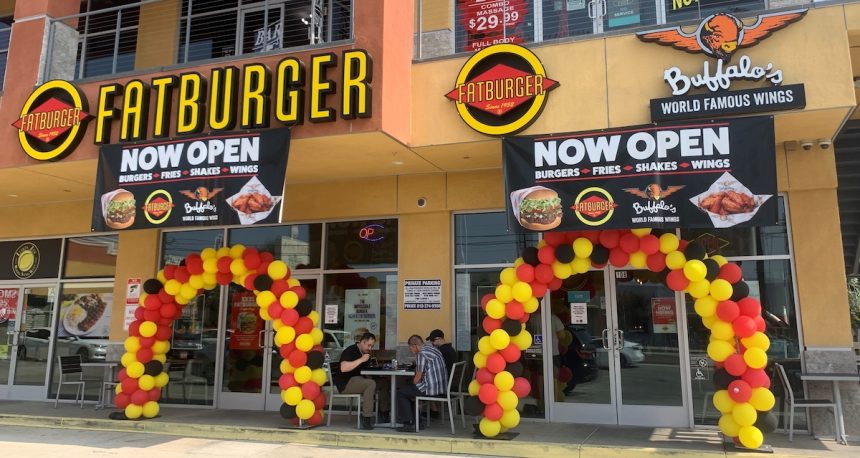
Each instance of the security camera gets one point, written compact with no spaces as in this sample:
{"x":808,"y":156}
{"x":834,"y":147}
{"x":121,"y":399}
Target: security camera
{"x":824,"y":143}
{"x":806,"y":144}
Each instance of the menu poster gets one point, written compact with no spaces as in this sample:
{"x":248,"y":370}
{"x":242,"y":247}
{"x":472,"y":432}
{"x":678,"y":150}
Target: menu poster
{"x":245,"y":322}
{"x":85,"y":314}
{"x":361,"y":311}
{"x":663,"y":315}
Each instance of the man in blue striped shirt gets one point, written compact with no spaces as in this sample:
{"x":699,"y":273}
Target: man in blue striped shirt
{"x":431,"y":379}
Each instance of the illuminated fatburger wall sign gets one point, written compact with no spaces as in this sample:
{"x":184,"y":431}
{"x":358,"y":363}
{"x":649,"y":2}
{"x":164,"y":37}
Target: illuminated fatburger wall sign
{"x":52,"y":119}
{"x":720,"y":36}
{"x":501,"y":89}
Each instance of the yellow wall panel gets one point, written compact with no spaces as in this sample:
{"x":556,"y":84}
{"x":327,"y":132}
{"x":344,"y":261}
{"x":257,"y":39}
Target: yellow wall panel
{"x":341,"y":199}
{"x":45,"y":220}
{"x":480,"y":190}
{"x":158,"y":34}
{"x":137,"y":258}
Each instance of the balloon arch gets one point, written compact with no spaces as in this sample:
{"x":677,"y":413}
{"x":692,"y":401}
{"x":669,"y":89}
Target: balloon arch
{"x":737,"y":342}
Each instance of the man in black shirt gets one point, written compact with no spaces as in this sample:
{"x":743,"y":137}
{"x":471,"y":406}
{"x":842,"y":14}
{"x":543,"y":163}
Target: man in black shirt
{"x":437,"y":338}
{"x":353,"y":360}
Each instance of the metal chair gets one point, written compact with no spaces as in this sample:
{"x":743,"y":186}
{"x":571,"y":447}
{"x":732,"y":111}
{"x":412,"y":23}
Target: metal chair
{"x":71,"y":366}
{"x":462,"y":392}
{"x":348,"y":397}
{"x":456,"y":373}
{"x":807,"y":403}
{"x":186,"y":378}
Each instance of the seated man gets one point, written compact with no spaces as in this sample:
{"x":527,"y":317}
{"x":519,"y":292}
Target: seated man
{"x":353,"y":360}
{"x":430,"y":379}
{"x":437,"y":338}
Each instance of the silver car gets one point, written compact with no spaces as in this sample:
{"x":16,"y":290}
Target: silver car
{"x":36,"y":341}
{"x":631,"y":354}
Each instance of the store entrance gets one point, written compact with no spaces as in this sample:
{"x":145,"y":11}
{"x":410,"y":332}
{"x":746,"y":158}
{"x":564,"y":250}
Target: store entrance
{"x":617,"y":350}
{"x":26,"y":336}
{"x":251,"y":362}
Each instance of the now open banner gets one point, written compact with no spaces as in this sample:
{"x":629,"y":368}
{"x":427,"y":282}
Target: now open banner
{"x":708,"y":174}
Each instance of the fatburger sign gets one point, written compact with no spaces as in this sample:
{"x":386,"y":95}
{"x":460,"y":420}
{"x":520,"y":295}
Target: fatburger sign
{"x":52,"y":121}
{"x":501,"y":90}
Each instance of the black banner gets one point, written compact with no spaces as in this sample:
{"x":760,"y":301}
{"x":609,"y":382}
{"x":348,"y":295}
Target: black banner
{"x":721,"y":103}
{"x":217,"y":179}
{"x":29,"y":259}
{"x":695,"y":175}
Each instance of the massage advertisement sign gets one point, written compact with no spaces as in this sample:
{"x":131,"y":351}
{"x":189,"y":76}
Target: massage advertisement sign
{"x":220,"y":179}
{"x":713,"y":174}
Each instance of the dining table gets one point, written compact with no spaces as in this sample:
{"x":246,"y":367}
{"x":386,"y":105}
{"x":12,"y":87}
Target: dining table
{"x":392,"y":374}
{"x":834,"y":379}
{"x":109,"y":368}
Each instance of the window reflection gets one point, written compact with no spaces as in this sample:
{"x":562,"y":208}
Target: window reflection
{"x":298,"y":246}
{"x":361,"y":244}
{"x":91,"y":256}
{"x":482,"y":238}
{"x":365,"y":302}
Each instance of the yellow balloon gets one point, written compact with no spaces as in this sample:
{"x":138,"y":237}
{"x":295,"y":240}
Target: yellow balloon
{"x":641,"y":232}
{"x":757,"y":340}
{"x":236,"y":251}
{"x":504,"y":381}
{"x":721,"y":261}
{"x":285,"y":335}
{"x":504,"y":294}
{"x":521,"y":291}
{"x":208,"y":253}
{"x":755,"y":358}
{"x":292,"y":282}
{"x":719,"y":350}
{"x":706,"y":306}
{"x":561,"y":270}
{"x":292,"y":395}
{"x":523,"y":340}
{"x":721,"y":289}
{"x":489,"y":428}
{"x":500,"y":339}
{"x":699,"y":289}
{"x":508,"y":276}
{"x":135,"y":369}
{"x":264,"y":313}
{"x":744,"y":414}
{"x":582,"y":247}
{"x":223,"y":251}
{"x":187,"y":291}
{"x":541,"y":243}
{"x":277,"y":270}
{"x":314,"y":317}
{"x":762,"y":399}
{"x":695,"y":270}
{"x":723,"y":402}
{"x":708,"y":321}
{"x":580,"y":265}
{"x":286,"y":368}
{"x":305,"y":409}
{"x":277,"y":324}
{"x":132,"y":343}
{"x":150,"y":409}
{"x":196,"y":282}
{"x":495,"y":309}
{"x":722,"y":330}
{"x":317,"y":335}
{"x":510,"y":419}
{"x":266,"y":298}
{"x":146,"y":382}
{"x":507,"y":400}
{"x":160,"y":347}
{"x":172,"y":287}
{"x":518,"y":262}
{"x":531,"y":305}
{"x":675,"y":260}
{"x":728,"y":426}
{"x":639,"y":259}
{"x":209,"y":279}
{"x":161,"y":380}
{"x":480,"y":360}
{"x":474,"y":387}
{"x":133,"y":411}
{"x":303,"y":374}
{"x":484,"y":346}
{"x":304,"y":342}
{"x":319,"y":377}
{"x":237,"y":266}
{"x":127,"y":358}
{"x":751,"y":437}
{"x":289,"y":299}
{"x":210,"y":266}
{"x":160,"y":276}
{"x":161,"y":358}
{"x":668,"y":243}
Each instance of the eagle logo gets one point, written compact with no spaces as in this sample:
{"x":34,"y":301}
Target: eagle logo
{"x":720,"y":35}
{"x":201,"y":194}
{"x":653,"y":192}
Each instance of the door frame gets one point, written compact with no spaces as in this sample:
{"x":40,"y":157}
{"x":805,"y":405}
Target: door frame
{"x":254,"y":8}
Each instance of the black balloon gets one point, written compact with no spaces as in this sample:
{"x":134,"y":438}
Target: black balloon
{"x":152,"y":286}
{"x":120,"y":415}
{"x":512,"y":327}
{"x":530,"y":256}
{"x":153,"y":368}
{"x":304,"y":307}
{"x":262,"y":283}
{"x":515,"y":368}
{"x":599,"y":255}
{"x":474,"y":406}
{"x":694,"y":250}
{"x":315,"y":359}
{"x":722,"y":379}
{"x":288,"y":411}
{"x":766,"y":422}
{"x":713,"y":269}
{"x":564,"y":253}
{"x":740,"y":290}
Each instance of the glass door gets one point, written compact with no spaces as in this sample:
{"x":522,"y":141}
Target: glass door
{"x":26,"y":337}
{"x":261,"y":29}
{"x":9,"y":311}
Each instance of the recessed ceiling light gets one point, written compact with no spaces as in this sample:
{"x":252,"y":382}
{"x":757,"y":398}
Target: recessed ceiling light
{"x":397,"y":162}
{"x":13,"y":195}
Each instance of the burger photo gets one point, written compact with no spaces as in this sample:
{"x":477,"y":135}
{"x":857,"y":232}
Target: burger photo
{"x":539,"y":208}
{"x":120,"y":210}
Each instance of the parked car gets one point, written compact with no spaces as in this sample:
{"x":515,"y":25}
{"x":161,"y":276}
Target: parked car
{"x":580,"y":355}
{"x":631,"y":354}
{"x":36,"y":342}
{"x":335,"y":342}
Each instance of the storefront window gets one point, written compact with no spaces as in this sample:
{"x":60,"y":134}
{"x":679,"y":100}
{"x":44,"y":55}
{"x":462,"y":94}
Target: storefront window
{"x":480,"y":238}
{"x":90,"y":257}
{"x":298,"y":245}
{"x":361,"y":244}
{"x":685,"y":10}
{"x":480,"y":24}
{"x":362,"y":302}
{"x":177,"y":245}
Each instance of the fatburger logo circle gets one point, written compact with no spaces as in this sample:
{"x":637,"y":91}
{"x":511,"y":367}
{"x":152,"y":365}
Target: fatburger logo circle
{"x":158,"y":206}
{"x":501,"y":89}
{"x":52,"y":121}
{"x":594,"y":206}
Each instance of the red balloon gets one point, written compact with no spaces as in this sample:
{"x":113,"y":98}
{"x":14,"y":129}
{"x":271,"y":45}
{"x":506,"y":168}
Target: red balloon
{"x":618,"y":257}
{"x":592,"y":236}
{"x":279,"y":287}
{"x":266,"y":257}
{"x":546,"y":255}
{"x":524,"y":318}
{"x":129,"y":385}
{"x":484,"y":376}
{"x":554,"y":284}
{"x":263,"y":268}
{"x":735,"y":365}
{"x":144,"y":355}
{"x":224,"y":264}
{"x":756,"y":378}
{"x":287,"y":381}
{"x":760,"y":325}
{"x":251,"y":257}
{"x":168,"y":310}
{"x":165,"y":321}
{"x":649,"y":244}
{"x":121,"y":400}
{"x":682,"y":244}
{"x":147,"y":342}
{"x":139,"y":397}
{"x":488,"y":393}
{"x":488,"y":297}
{"x":163,"y":332}
{"x":744,"y":326}
{"x":493,"y":412}
{"x":138,"y":313}
{"x":521,"y":387}
{"x":570,"y":236}
{"x":609,"y":238}
{"x":629,"y":243}
{"x":538,"y":289}
{"x":554,"y":238}
{"x":182,"y":274}
{"x":511,"y":353}
{"x":319,"y":401}
{"x":286,"y":350}
{"x":676,"y":280}
{"x":164,"y":296}
{"x":495,"y":363}
{"x":514,"y":310}
{"x":310,"y":390}
{"x":750,"y":307}
{"x":155,"y":395}
{"x":303,"y":325}
{"x":289,"y":317}
{"x":275,"y":310}
{"x":170,"y":271}
{"x":298,"y":359}
{"x":151,"y":315}
{"x":740,"y":391}
{"x":152,"y":302}
{"x":249,"y":282}
{"x":300,"y":291}
{"x":316,"y":418}
{"x":526,"y":273}
{"x":728,"y":311}
{"x":134,"y":327}
{"x":490,"y":324}
{"x":656,"y":262}
{"x":564,"y":374}
{"x":730,"y":272}
{"x":122,"y":374}
{"x":543,"y":273}
{"x":223,"y":278}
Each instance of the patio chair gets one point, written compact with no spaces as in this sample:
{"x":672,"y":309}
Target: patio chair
{"x":807,"y":403}
{"x":182,"y":373}
{"x":461,"y":392}
{"x":456,"y":374}
{"x":348,"y":397}
{"x":71,"y":373}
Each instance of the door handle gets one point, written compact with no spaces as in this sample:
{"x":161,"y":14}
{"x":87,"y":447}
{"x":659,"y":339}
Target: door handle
{"x":620,"y":335}
{"x":604,"y":339}
{"x":260,"y":336}
{"x":603,"y":7}
{"x":591,"y":9}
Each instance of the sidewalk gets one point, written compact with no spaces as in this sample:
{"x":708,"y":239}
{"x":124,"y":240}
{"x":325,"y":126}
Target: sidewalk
{"x":534,"y":439}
